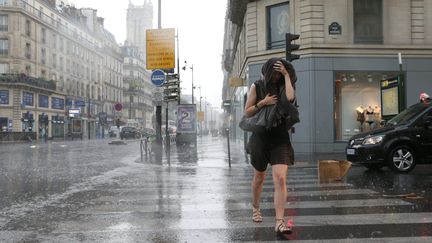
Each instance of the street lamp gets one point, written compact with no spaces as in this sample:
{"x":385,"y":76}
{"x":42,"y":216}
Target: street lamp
{"x":193,"y":87}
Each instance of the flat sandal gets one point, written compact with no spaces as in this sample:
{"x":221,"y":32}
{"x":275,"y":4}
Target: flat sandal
{"x":256,"y":214}
{"x":282,"y":227}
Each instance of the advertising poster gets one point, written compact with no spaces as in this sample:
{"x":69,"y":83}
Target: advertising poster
{"x":186,"y":119}
{"x":390,"y":97}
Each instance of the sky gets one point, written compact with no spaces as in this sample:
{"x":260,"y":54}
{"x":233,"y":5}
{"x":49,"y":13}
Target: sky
{"x":200,"y":24}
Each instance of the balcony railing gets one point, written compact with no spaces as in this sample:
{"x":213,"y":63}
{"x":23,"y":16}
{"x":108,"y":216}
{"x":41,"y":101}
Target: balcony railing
{"x":24,"y":79}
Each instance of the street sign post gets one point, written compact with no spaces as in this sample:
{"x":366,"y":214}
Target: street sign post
{"x":158,"y":77}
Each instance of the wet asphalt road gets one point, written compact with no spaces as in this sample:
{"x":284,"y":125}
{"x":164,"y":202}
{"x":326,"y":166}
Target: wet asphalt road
{"x":89,"y":191}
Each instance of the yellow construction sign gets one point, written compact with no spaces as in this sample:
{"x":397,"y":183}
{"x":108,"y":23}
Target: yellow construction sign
{"x":160,"y":45}
{"x":200,"y":116}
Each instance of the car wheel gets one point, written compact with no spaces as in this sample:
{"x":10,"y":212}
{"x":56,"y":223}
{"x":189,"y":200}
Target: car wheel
{"x":374,"y":166}
{"x":402,"y":159}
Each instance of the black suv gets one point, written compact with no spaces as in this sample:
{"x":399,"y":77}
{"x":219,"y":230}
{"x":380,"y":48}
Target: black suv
{"x":404,"y":141}
{"x":129,"y":132}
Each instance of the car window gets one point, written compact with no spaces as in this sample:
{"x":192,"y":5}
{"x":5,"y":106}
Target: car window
{"x":407,"y":115}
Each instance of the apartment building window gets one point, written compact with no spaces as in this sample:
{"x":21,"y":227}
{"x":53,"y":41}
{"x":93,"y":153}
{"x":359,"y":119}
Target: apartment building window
{"x":28,"y":70}
{"x":4,"y":67}
{"x":4,"y":46}
{"x":277,"y":25}
{"x":40,"y":12}
{"x":27,"y":99}
{"x":43,"y":74}
{"x":3,"y":2}
{"x":54,"y":41}
{"x":43,"y":30}
{"x":43,"y":56}
{"x":28,"y":51}
{"x":54,"y":60}
{"x":368,"y":23}
{"x":4,"y":97}
{"x":4,"y":22}
{"x":61,"y":63}
{"x":52,"y":19}
{"x":61,"y":44}
{"x":28,"y":28}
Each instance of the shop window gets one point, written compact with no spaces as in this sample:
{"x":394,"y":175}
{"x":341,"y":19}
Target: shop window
{"x":357,"y":102}
{"x":277,"y":25}
{"x":368,"y":23}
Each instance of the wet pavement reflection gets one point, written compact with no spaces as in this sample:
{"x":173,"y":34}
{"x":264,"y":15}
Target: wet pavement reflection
{"x":89,"y":191}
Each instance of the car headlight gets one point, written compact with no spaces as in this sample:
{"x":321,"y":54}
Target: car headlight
{"x":373,"y":140}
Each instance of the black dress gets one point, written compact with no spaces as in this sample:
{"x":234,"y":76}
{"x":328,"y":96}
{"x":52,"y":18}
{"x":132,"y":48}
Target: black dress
{"x":273,"y":146}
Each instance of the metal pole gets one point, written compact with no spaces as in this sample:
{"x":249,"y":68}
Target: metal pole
{"x":192,"y":85}
{"x":178,"y":67}
{"x":159,"y":107}
{"x":159,"y":14}
{"x":229,"y":150}
{"x":167,"y":136}
{"x":141,"y":149}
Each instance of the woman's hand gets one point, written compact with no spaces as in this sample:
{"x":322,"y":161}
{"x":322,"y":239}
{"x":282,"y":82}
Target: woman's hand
{"x":278,"y":66}
{"x":269,"y":100}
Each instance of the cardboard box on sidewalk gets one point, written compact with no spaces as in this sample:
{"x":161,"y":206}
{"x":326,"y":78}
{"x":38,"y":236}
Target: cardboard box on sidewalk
{"x":332,"y":170}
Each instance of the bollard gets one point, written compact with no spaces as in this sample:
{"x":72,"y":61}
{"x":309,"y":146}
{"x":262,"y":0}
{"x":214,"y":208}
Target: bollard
{"x":229,"y":150}
{"x":141,"y":149}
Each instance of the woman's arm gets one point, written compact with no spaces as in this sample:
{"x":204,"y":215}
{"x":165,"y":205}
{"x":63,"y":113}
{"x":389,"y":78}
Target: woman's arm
{"x":289,"y":89}
{"x":252,"y":107}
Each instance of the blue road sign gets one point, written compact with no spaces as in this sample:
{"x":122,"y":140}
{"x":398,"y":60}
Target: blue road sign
{"x":158,"y":77}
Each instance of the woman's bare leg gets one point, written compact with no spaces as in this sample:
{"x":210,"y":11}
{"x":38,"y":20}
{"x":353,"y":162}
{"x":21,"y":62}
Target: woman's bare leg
{"x":279,"y":172}
{"x":257,"y":185}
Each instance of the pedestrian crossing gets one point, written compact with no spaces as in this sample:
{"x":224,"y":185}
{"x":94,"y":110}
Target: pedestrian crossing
{"x":208,"y":204}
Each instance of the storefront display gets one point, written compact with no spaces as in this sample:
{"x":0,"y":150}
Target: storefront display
{"x":357,"y":103}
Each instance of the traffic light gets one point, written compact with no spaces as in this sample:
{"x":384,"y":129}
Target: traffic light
{"x":291,"y":47}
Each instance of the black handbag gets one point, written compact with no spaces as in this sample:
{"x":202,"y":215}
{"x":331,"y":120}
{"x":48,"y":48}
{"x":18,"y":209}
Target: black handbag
{"x":260,"y":122}
{"x":288,"y":110}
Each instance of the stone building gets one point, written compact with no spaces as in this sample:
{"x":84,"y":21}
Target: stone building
{"x":138,"y":90}
{"x":139,"y":19}
{"x":346,"y":46}
{"x":50,"y":41}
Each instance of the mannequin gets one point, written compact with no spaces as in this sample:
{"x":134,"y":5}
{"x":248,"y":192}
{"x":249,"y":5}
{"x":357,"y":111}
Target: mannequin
{"x":369,"y":114}
{"x":377,"y":114}
{"x":360,"y":116}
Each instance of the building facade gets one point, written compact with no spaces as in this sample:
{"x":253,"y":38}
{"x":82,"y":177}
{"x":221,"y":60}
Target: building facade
{"x":346,"y":46}
{"x":138,"y":90}
{"x":139,"y":18}
{"x":47,"y":40}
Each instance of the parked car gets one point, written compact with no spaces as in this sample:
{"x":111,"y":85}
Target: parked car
{"x":113,"y":130}
{"x":129,"y":132}
{"x":404,"y":141}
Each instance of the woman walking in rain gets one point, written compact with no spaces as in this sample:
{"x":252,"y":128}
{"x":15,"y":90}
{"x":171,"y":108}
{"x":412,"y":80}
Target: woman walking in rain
{"x":273,"y":146}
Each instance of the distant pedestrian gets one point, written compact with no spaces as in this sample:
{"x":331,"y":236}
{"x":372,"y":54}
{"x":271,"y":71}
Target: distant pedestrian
{"x":274,"y":146}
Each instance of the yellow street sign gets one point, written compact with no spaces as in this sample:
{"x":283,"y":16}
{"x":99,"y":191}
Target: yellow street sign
{"x":160,"y":48}
{"x":200,"y":116}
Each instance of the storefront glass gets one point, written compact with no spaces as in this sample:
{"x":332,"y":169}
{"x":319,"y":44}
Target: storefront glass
{"x":357,"y":102}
